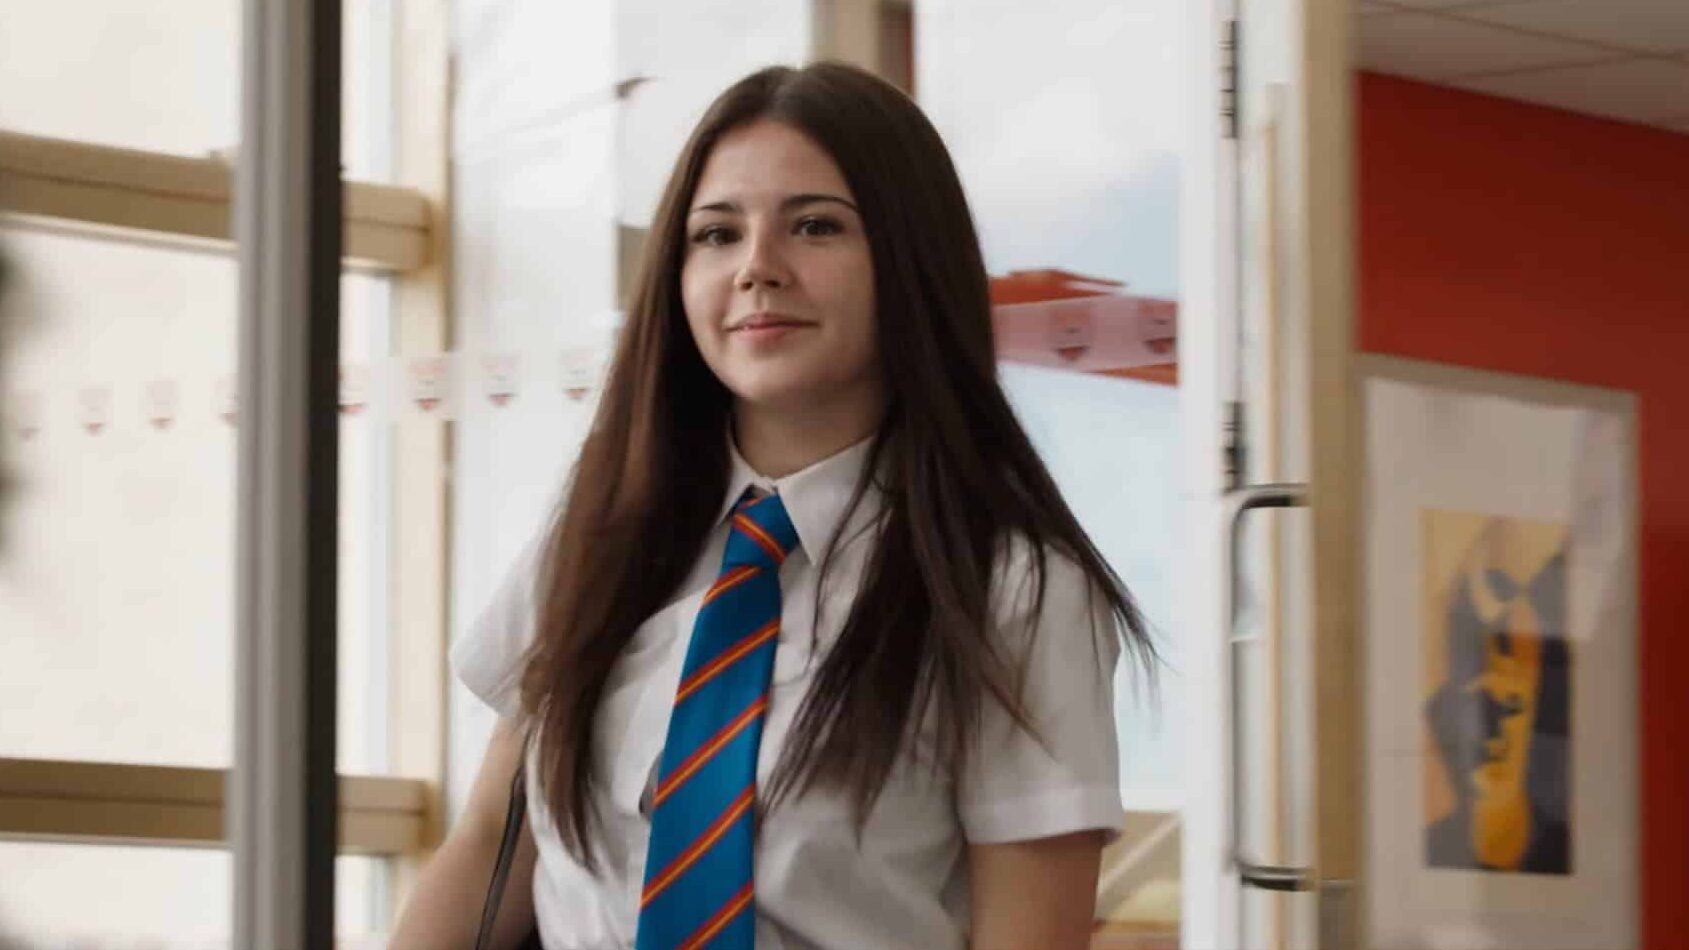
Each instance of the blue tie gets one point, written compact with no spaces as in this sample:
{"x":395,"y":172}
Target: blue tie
{"x":698,"y":883}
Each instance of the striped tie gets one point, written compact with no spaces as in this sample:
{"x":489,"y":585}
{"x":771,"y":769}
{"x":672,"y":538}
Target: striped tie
{"x":698,"y":883}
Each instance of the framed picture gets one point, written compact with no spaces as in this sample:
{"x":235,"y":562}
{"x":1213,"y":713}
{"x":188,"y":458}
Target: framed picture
{"x":1500,"y":579}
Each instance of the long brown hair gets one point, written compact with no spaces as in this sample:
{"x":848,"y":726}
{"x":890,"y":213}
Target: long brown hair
{"x":959,"y":476}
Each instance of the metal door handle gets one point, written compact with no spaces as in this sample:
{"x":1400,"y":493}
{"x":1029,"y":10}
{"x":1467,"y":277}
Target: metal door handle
{"x":1250,"y":498}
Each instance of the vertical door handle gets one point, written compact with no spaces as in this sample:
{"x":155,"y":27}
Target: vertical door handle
{"x":1238,"y":503}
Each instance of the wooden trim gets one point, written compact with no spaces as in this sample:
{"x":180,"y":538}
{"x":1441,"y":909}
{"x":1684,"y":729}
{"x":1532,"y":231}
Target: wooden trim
{"x":1336,"y":468}
{"x":1132,"y":928}
{"x":848,"y":31}
{"x":420,"y":539}
{"x":1271,"y":470}
{"x":115,"y":803}
{"x":116,"y":190}
{"x":1147,"y":852}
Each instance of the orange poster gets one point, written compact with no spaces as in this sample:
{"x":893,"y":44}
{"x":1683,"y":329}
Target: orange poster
{"x":1497,"y":694}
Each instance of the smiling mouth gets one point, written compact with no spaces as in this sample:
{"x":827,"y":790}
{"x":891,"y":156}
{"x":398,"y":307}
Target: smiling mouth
{"x":767,"y":322}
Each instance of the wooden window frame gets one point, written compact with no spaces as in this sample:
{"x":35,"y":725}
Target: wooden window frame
{"x":119,"y":193}
{"x":169,"y":806}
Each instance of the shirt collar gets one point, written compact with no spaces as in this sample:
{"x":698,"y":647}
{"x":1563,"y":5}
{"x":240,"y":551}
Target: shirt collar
{"x":815,"y":498}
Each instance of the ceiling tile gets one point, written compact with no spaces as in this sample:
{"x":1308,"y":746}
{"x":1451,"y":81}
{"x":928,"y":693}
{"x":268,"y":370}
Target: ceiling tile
{"x":1435,"y":48}
{"x":1647,"y":26}
{"x":1637,"y":90}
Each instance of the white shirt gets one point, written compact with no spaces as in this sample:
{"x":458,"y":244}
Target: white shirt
{"x":905,"y":884}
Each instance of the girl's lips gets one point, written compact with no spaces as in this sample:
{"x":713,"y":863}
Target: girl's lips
{"x":763,"y":319}
{"x":766,"y":327}
{"x":766,"y":332}
{"x":764,"y":324}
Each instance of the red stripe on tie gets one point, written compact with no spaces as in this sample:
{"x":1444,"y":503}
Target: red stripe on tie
{"x":703,"y":674}
{"x":730,"y":580}
{"x":720,"y":918}
{"x":707,"y":751}
{"x":696,"y":849}
{"x":752,"y":530}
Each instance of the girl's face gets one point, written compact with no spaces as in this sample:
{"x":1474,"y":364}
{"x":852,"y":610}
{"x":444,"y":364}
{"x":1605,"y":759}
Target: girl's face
{"x":778,"y":282}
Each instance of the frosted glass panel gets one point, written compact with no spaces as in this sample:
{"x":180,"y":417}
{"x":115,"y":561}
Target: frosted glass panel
{"x":116,"y":572}
{"x":127,"y":898}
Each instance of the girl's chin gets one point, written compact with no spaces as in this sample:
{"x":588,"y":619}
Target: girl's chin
{"x":771,"y":384}
{"x":765,"y":396}
{"x":784,"y":388}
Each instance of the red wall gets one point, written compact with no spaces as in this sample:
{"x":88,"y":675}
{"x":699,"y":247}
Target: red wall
{"x":1528,"y":240}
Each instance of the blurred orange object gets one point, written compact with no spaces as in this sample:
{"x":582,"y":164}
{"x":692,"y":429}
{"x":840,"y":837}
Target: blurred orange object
{"x":1088,"y":324}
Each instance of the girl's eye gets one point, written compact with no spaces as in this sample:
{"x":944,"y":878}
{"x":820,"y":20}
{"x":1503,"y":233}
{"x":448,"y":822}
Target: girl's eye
{"x":713,"y":234}
{"x":818,"y":227}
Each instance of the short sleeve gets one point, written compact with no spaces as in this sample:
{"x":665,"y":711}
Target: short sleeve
{"x":1016,"y":786}
{"x":488,"y":658}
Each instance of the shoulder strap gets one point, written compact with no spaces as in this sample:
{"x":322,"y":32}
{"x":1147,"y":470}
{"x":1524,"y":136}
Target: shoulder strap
{"x":513,"y":817}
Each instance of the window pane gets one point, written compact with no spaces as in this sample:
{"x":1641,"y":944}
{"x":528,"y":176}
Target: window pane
{"x":164,"y":75}
{"x":116,"y":581}
{"x":1067,"y":142}
{"x":365,"y":498}
{"x":179,"y":898}
{"x":160,"y":75}
{"x":116,"y":578}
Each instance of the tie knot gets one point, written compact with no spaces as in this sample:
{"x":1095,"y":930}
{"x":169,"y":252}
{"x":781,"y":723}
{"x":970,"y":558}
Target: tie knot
{"x":762,"y":533}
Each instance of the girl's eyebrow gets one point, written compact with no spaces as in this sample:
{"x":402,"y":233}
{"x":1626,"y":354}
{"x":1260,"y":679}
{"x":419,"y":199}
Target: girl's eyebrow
{"x":790,"y":203}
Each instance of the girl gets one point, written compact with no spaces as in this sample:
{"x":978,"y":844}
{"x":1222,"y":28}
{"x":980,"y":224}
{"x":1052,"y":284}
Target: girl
{"x":813,"y":655}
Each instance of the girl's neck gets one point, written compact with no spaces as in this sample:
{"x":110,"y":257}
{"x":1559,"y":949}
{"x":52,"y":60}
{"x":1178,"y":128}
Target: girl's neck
{"x":777,"y":442}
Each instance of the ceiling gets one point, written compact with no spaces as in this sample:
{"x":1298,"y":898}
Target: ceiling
{"x":1620,"y":59}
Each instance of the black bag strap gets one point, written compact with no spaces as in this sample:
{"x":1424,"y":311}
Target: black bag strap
{"x":513,"y":817}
